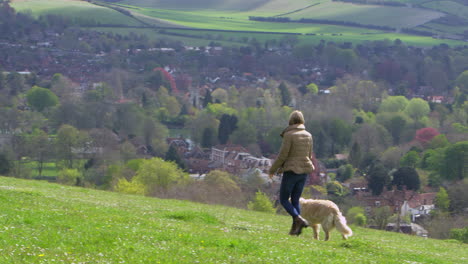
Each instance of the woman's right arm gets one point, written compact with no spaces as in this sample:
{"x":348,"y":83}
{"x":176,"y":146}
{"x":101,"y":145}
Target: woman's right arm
{"x":283,"y":154}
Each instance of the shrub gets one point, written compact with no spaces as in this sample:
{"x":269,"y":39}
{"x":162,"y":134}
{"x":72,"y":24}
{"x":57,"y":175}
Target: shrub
{"x":261,"y":203}
{"x":360,"y":219}
{"x":133,"y":187}
{"x":5,"y":164}
{"x":69,"y":176}
{"x":460,"y":234}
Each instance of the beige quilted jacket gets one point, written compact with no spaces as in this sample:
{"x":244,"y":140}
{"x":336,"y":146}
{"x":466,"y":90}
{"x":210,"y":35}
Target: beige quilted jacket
{"x":296,"y":151}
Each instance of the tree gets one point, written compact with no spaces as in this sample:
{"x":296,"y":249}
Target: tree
{"x":69,"y":140}
{"x":393,"y":104}
{"x":312,"y":88}
{"x":222,"y":182}
{"x":5,"y":164}
{"x":462,"y":81}
{"x":425,"y":135}
{"x":395,"y":123}
{"x":417,"y":108}
{"x":173,"y":155}
{"x":377,"y":178}
{"x":227,"y":125}
{"x":410,"y":159}
{"x":355,"y":155}
{"x":439,"y":141}
{"x":406,"y":176}
{"x":208,"y":138}
{"x":220,"y":95}
{"x":345,"y":172}
{"x":40,"y":148}
{"x":261,"y":203}
{"x":207,"y":99}
{"x":285,"y":94}
{"x":41,"y":98}
{"x":456,"y":160}
{"x":442,"y":201}
{"x":353,"y":214}
{"x":158,"y":176}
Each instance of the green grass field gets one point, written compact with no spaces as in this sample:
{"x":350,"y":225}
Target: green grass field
{"x":450,"y":7}
{"x":368,"y":14}
{"x":44,"y":223}
{"x":74,"y":9}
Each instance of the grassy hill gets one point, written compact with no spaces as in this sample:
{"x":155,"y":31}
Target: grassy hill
{"x":42,"y":222}
{"x":80,"y":11}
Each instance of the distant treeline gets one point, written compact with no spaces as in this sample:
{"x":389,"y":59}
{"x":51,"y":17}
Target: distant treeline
{"x":320,"y":21}
{"x":373,"y":2}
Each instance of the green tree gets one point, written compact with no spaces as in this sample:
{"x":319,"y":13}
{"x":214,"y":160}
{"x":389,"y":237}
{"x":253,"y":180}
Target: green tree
{"x":417,"y":108}
{"x":173,"y":155}
{"x":355,"y":155}
{"x":442,"y":201}
{"x":41,"y":98}
{"x":227,"y":125}
{"x":69,"y":141}
{"x":208,"y":99}
{"x":462,"y":81}
{"x":377,"y":178}
{"x":312,"y":88}
{"x":406,"y":176}
{"x":69,"y":177}
{"x":439,"y":141}
{"x":158,"y":176}
{"x":261,"y":203}
{"x":353,"y":214}
{"x":285,"y":94}
{"x":393,"y":104}
{"x":345,"y":172}
{"x":380,"y":216}
{"x":41,"y":148}
{"x":222,"y":182}
{"x":5,"y":164}
{"x":410,"y":159}
{"x":208,"y":138}
{"x":456,"y":160}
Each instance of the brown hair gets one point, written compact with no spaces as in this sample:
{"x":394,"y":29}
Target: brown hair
{"x":296,"y":117}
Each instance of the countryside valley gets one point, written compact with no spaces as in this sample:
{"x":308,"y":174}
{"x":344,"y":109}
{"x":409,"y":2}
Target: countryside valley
{"x":166,"y":103}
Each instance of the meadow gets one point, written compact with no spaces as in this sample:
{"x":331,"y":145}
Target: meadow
{"x":43,"y":223}
{"x":222,"y":20}
{"x":396,"y":17}
{"x":80,"y":11}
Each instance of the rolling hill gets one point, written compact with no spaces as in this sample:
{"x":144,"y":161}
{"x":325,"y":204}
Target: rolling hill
{"x":43,"y":222}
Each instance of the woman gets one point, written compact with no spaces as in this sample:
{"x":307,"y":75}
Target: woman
{"x":294,"y":160}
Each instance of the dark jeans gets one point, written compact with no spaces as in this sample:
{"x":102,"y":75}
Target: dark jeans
{"x":292,"y":186}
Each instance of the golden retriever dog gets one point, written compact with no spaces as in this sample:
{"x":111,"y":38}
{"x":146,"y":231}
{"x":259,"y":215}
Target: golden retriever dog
{"x":325,"y":213}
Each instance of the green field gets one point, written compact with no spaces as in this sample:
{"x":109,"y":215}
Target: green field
{"x":449,"y":7}
{"x":232,"y":5}
{"x":368,"y":14}
{"x":44,"y":223}
{"x":75,"y":10}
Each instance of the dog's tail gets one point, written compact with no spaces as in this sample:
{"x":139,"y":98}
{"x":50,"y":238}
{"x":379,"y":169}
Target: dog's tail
{"x":341,"y":226}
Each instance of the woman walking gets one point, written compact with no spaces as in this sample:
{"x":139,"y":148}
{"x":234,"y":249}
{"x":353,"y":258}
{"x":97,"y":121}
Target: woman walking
{"x":294,"y":160}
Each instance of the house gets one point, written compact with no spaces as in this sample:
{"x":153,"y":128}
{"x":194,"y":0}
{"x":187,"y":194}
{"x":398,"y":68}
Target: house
{"x":234,"y":158}
{"x":419,"y":205}
{"x":408,"y":202}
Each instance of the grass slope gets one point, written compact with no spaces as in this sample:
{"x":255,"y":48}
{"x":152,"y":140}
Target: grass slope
{"x":42,"y":222}
{"x":368,"y":14}
{"x":74,"y":9}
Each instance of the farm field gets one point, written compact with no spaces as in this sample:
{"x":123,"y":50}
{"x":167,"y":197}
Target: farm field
{"x":43,"y":222}
{"x":450,"y":7}
{"x":274,"y":6}
{"x":227,"y":20}
{"x":368,"y":14}
{"x":80,"y":11}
